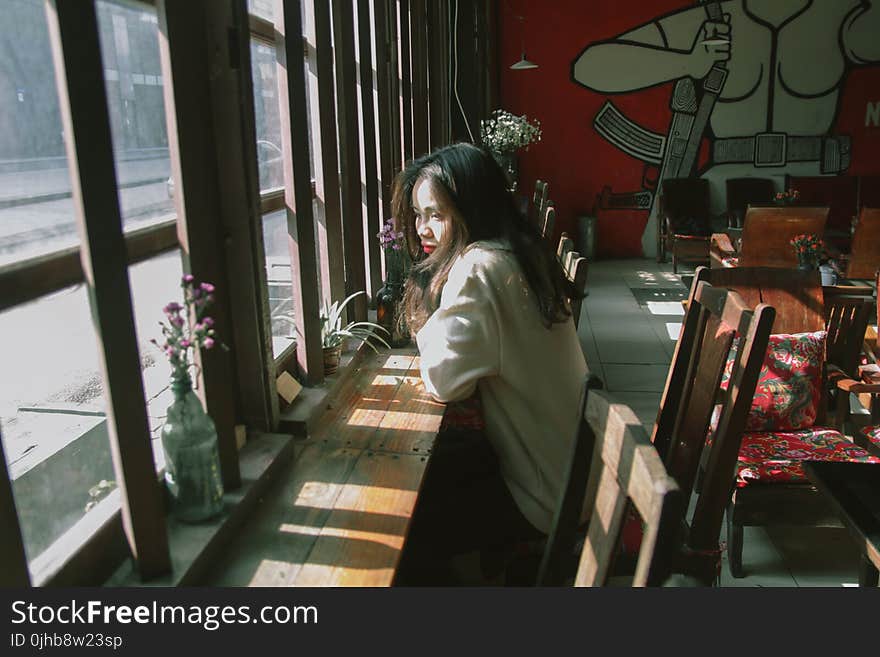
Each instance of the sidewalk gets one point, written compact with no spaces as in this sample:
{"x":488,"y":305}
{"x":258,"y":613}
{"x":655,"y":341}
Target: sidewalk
{"x":38,"y":186}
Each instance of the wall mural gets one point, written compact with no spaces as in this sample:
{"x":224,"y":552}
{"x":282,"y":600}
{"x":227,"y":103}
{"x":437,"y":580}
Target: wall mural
{"x":755,"y":91}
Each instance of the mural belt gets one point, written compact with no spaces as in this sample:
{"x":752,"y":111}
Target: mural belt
{"x":776,"y":149}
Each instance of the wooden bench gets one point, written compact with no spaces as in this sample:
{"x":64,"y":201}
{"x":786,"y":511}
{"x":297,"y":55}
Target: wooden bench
{"x":341,"y":516}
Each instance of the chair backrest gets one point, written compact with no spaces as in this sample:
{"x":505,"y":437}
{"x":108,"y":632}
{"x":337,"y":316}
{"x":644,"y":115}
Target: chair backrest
{"x":575,"y":268}
{"x":741,"y":192}
{"x":715,"y":319}
{"x":566,"y":244}
{"x":539,"y":202}
{"x":864,"y":260}
{"x":627,"y":470}
{"x":685,"y":202}
{"x":767,"y":233}
{"x":547,"y":222}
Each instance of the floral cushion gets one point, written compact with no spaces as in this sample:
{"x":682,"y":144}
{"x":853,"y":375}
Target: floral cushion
{"x":789,"y":387}
{"x":777,"y":457}
{"x":872,"y":434}
{"x":730,"y":261}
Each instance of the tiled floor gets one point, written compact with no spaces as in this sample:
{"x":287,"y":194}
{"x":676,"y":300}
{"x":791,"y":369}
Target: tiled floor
{"x":628,"y":327}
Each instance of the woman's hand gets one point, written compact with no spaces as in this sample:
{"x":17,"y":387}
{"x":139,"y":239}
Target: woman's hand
{"x":711,"y":45}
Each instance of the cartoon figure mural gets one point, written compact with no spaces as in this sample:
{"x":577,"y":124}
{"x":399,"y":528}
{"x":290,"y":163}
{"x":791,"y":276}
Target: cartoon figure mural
{"x":759,"y":79}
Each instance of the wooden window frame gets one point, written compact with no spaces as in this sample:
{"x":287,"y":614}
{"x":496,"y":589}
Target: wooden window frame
{"x":214,"y":210}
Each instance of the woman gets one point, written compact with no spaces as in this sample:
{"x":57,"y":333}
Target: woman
{"x":487,"y":303}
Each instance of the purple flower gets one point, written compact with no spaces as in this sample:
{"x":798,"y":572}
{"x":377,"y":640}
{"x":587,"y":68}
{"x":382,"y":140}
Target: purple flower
{"x":208,"y":322}
{"x":177,"y":321}
{"x":206,"y":287}
{"x":185,"y":344}
{"x":172,"y":307}
{"x":189,"y":278}
{"x":208,"y":343}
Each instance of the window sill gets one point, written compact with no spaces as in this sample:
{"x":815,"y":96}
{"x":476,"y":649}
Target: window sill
{"x":194,"y":548}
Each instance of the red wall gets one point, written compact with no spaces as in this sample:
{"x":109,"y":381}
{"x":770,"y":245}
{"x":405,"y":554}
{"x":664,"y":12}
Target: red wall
{"x":575,"y":160}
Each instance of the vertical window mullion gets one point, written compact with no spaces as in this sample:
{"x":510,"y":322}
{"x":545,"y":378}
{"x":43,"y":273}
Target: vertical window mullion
{"x":298,"y":189}
{"x":349,"y":155}
{"x":326,"y":158}
{"x":73,"y":30}
{"x":438,"y":66}
{"x":389,"y":121}
{"x":186,"y":52}
{"x":418,"y":19}
{"x":405,"y":76}
{"x":14,"y":572}
{"x":371,"y":174}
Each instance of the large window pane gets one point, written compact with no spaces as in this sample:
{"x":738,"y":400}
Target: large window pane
{"x":36,"y":210}
{"x":278,"y":277}
{"x":154,"y":284}
{"x":268,"y":119}
{"x":36,"y":206}
{"x":133,"y":77}
{"x":52,"y":412}
{"x":262,"y":8}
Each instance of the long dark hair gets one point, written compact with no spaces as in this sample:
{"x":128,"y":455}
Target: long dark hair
{"x":476,"y":186}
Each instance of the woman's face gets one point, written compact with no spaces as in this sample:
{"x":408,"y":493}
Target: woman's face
{"x":433,"y":215}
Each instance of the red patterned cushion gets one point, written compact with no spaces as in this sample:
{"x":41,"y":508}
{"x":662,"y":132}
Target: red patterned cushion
{"x":788,"y":392}
{"x":872,"y":434}
{"x":777,"y":457}
{"x":730,"y":261}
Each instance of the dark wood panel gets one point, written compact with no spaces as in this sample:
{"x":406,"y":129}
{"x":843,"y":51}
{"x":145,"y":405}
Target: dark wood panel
{"x":387,"y":102}
{"x":76,"y":50}
{"x":186,"y":48}
{"x":298,"y":192}
{"x":326,"y":158}
{"x":370,"y":141}
{"x":438,"y":60}
{"x":349,"y":156}
{"x":418,"y":18}
{"x":405,"y":79}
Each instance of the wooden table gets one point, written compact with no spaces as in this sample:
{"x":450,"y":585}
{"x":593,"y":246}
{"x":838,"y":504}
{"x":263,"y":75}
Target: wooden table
{"x":854,"y":491}
{"x":340,"y":518}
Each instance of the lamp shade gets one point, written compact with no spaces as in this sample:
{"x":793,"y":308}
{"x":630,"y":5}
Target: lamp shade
{"x":523,"y":64}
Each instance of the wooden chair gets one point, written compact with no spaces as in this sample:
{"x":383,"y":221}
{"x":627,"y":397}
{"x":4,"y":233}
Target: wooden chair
{"x":766,"y":237}
{"x":684,"y":221}
{"x":714,"y":316}
{"x":742,"y":192}
{"x":628,"y":471}
{"x":863,"y":261}
{"x":770,"y":485}
{"x":715,"y":319}
{"x":575,"y":268}
{"x":539,"y":202}
{"x":547,"y":222}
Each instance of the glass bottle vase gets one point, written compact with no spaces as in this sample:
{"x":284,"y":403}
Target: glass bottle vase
{"x":388,"y":300}
{"x":192,"y":460}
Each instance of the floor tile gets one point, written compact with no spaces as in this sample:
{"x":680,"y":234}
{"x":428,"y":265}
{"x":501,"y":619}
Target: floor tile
{"x":634,"y":378}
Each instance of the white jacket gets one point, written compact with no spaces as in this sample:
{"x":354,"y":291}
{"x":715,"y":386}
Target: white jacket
{"x":488,"y":331}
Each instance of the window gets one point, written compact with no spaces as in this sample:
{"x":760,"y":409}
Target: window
{"x":36,"y":208}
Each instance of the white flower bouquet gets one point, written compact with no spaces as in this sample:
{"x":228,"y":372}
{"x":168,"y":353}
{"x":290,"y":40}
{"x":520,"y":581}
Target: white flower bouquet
{"x":504,"y":132}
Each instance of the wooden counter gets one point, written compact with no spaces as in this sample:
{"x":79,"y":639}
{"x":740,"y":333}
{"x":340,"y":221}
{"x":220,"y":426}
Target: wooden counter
{"x":341,"y":515}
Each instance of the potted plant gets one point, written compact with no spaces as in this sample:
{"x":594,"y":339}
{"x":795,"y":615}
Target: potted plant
{"x":808,"y":248}
{"x":334,"y":334}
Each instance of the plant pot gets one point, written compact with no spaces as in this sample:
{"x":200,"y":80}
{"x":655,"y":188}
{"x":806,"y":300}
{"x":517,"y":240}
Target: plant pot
{"x":331,"y":359}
